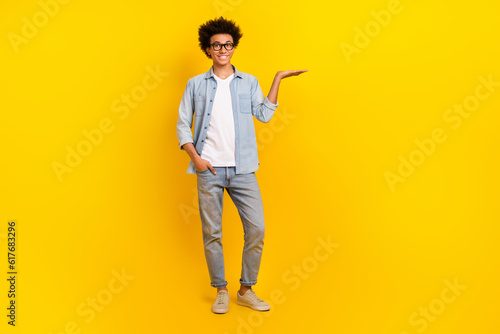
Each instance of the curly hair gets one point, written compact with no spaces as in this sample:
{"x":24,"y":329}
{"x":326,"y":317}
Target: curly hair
{"x":217,"y":26}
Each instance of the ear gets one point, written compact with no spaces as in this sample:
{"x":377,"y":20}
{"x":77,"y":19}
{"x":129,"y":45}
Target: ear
{"x":207,"y":49}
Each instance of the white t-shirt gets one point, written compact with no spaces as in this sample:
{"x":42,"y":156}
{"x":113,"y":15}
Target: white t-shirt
{"x":219,"y":148}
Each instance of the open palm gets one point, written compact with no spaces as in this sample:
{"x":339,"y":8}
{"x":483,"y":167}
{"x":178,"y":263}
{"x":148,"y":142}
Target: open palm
{"x":286,"y":74}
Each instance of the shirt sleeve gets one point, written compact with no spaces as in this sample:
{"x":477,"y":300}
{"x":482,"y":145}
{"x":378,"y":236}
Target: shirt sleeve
{"x":185,"y":119}
{"x":262,"y":108}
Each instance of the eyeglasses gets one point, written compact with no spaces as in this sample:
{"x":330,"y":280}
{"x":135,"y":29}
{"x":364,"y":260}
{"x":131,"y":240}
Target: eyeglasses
{"x":218,"y":46}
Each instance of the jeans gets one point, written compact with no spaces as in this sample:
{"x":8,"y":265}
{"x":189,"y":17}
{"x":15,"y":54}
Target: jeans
{"x":245,"y":194}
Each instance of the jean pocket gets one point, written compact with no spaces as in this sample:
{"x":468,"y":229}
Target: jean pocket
{"x":245,"y":103}
{"x":203,"y":171}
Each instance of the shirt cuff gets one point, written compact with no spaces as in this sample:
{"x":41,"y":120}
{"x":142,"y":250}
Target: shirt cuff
{"x":270,"y":105}
{"x":181,"y":144}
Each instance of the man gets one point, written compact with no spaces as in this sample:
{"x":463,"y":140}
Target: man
{"x":223,"y":152}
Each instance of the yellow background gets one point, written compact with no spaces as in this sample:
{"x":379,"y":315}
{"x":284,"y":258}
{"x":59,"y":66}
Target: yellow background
{"x":129,"y":205}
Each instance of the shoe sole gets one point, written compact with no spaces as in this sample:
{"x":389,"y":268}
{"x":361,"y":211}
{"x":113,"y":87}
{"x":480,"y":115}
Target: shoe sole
{"x":220,"y":312}
{"x":256,"y":308}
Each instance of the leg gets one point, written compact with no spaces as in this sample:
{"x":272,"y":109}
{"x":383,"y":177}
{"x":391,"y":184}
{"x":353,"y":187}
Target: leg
{"x":245,"y":193}
{"x":210,"y":199}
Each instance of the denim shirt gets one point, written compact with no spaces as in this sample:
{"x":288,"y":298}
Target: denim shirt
{"x":248,"y":101}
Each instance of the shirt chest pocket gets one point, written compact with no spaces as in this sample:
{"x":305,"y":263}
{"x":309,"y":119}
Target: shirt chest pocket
{"x":199,"y":104}
{"x":245,"y":103}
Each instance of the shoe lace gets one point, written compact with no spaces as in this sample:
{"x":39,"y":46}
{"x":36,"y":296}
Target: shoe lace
{"x":220,"y":297}
{"x":254,"y":296}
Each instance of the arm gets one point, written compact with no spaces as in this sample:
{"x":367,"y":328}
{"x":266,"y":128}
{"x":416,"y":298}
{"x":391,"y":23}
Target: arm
{"x":263,"y":108}
{"x":200,"y":163}
{"x":185,"y":118}
{"x":184,"y":123}
{"x":273,"y":92}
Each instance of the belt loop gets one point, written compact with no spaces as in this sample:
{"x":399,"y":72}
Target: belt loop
{"x":227,"y":176}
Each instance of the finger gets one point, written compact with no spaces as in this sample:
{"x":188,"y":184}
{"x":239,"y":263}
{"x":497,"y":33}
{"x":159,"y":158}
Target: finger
{"x":212,"y":169}
{"x":295,"y":72}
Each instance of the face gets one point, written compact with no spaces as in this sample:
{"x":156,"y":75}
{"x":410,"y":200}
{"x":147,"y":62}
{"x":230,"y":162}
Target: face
{"x":221,"y":57}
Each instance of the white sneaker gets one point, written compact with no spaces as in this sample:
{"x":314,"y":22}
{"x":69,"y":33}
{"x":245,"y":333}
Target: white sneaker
{"x":250,"y":299}
{"x":221,"y":304}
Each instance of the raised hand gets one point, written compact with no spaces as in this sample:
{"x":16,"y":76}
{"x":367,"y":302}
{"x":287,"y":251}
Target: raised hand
{"x":286,"y":74}
{"x":273,"y":92}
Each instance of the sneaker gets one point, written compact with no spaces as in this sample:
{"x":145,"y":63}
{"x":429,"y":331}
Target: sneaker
{"x":250,"y":299}
{"x":221,"y":304}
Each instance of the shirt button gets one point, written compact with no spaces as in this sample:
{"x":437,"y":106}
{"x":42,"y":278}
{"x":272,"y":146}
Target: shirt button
{"x":210,"y":100}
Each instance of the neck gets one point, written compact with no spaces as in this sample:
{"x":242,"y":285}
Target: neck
{"x":223,"y":70}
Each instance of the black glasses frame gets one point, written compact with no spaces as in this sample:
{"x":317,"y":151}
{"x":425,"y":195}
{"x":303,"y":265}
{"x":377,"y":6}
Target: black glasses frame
{"x":226,"y":45}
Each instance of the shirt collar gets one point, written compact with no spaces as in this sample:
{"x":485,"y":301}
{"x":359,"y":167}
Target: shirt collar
{"x":210,"y":73}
